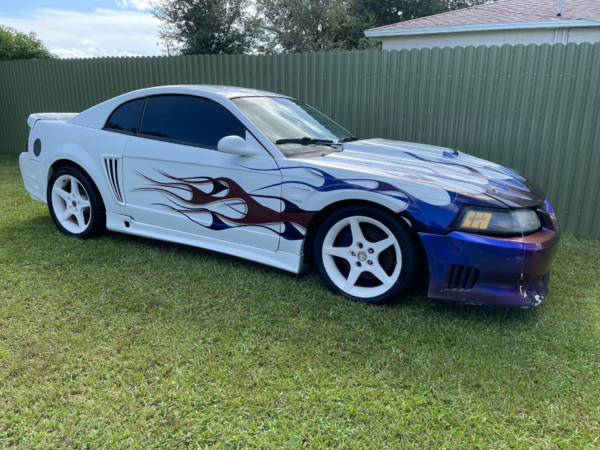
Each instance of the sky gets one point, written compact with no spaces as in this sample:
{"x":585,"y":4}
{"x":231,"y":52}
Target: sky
{"x":86,"y":28}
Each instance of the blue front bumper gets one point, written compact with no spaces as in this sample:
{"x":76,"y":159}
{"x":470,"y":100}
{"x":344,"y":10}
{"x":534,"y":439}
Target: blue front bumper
{"x":472,"y":268}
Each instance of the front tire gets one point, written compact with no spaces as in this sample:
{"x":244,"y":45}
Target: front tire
{"x":366,"y":254}
{"x":75,"y":204}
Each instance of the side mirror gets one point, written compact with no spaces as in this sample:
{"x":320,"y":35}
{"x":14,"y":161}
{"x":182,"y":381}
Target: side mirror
{"x":235,"y":145}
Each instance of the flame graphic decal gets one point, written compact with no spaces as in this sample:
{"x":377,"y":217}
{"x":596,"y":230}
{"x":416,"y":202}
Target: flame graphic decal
{"x":244,"y":209}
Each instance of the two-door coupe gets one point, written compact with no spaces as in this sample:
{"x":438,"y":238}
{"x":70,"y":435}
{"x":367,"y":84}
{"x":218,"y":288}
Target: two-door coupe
{"x":268,"y":178}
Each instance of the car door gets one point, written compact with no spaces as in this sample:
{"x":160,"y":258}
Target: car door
{"x":176,"y":179}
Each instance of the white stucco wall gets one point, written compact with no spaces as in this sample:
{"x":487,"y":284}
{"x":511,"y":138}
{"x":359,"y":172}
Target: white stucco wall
{"x":494,"y":37}
{"x":579,"y":35}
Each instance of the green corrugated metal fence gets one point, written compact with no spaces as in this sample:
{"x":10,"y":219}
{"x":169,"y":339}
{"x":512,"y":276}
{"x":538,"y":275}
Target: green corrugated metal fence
{"x":534,"y":108}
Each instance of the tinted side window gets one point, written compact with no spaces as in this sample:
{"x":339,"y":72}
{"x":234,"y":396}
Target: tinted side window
{"x":193,"y":120}
{"x":126,"y":117}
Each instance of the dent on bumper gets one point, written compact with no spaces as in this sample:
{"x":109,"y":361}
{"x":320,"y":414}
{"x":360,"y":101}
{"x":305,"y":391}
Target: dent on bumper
{"x":509,"y":271}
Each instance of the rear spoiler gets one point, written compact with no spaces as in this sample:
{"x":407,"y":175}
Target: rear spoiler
{"x":49,"y":116}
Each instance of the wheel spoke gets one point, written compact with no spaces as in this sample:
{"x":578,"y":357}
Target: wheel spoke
{"x":357,"y":234}
{"x":383,"y":244}
{"x":340,"y":252}
{"x":380,"y":274}
{"x":78,"y":191}
{"x":84,"y":204}
{"x":80,"y":220}
{"x":65,"y":215}
{"x":62,"y":193}
{"x":352,"y":278}
{"x":74,"y":189}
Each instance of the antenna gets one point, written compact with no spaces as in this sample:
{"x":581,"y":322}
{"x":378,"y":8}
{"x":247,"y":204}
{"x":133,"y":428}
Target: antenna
{"x":559,"y":12}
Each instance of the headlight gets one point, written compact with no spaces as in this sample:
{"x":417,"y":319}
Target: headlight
{"x":498,"y":221}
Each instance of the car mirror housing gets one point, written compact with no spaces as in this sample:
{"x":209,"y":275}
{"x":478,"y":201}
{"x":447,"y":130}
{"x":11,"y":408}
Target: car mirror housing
{"x":235,"y":145}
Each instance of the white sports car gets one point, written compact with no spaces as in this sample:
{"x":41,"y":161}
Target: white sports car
{"x":266,"y":177}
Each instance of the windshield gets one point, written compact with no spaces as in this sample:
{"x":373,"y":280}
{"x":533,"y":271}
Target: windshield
{"x":292,"y":125}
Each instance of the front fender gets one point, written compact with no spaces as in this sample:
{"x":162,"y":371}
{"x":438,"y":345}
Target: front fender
{"x":316,"y":202}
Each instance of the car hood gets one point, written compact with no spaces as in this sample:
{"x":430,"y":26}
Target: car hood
{"x":410,"y":166}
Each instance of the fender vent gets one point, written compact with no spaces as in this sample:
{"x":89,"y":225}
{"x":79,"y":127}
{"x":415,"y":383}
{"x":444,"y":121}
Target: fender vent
{"x":111,"y":165}
{"x":461,"y":277}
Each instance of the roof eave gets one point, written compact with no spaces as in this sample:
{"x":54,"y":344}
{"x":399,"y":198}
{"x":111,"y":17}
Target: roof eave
{"x":568,"y":23}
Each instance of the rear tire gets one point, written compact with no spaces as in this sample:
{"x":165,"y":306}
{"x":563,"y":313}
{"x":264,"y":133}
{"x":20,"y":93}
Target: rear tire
{"x":75,"y":204}
{"x":366,"y":254}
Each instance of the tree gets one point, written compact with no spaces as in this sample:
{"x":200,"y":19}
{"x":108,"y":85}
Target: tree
{"x":301,"y":25}
{"x":387,"y":12}
{"x":238,"y":26}
{"x":17,"y":45}
{"x":208,"y":26}
{"x":312,"y":25}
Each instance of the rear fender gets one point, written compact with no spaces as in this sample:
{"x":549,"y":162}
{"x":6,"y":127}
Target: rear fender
{"x":85,"y":147}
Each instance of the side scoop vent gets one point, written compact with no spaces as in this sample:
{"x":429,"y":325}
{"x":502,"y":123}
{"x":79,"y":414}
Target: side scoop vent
{"x":461,"y":277}
{"x":111,"y":165}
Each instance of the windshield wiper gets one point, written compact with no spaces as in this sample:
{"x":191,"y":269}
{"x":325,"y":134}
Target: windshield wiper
{"x":348,"y":139}
{"x":304,"y":141}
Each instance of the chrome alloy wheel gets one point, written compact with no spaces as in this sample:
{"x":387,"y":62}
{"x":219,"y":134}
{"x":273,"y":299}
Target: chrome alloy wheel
{"x":71,"y":204}
{"x":362,"y":257}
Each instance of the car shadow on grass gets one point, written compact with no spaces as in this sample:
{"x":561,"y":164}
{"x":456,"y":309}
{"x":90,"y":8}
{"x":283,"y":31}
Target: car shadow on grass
{"x":415,"y":299}
{"x":155,"y":292}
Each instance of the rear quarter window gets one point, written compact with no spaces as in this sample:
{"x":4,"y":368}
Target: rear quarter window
{"x":126,"y":117}
{"x":191,"y":120}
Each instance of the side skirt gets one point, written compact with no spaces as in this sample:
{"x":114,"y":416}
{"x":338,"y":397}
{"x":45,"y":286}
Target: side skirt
{"x":280,"y":260}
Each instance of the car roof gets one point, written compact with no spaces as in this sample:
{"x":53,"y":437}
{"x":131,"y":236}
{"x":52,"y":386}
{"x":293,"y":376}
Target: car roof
{"x":199,"y":89}
{"x":96,"y":116}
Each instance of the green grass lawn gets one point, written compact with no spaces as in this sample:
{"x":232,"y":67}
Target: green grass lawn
{"x":124,"y":342}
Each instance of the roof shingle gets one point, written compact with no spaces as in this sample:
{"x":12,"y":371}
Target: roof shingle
{"x":504,"y":11}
